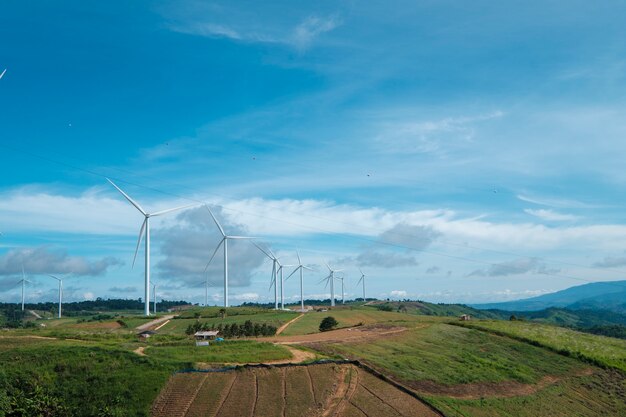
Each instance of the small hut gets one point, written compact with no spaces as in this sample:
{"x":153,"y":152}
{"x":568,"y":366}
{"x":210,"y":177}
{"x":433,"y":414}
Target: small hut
{"x":145,"y":334}
{"x":206,"y":334}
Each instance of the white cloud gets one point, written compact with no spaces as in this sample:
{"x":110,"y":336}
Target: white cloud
{"x":89,"y":296}
{"x":398,"y":294}
{"x":312,"y":27}
{"x":515,"y":267}
{"x":551,"y":215}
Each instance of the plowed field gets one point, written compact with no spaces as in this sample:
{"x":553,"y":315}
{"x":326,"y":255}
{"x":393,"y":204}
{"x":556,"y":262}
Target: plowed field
{"x":322,"y":390}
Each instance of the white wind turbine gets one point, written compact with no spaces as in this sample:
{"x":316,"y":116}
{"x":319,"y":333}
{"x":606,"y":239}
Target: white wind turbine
{"x":331,"y":279}
{"x":224,"y":241}
{"x":300,"y":267}
{"x":145,"y":228}
{"x":60,"y":292}
{"x":154,"y":287}
{"x":275,"y":263}
{"x":282,"y":283}
{"x":343,"y":293}
{"x":362,"y":279}
{"x":23,"y":281}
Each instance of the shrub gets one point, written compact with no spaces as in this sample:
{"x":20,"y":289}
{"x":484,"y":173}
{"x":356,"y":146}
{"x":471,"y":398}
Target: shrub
{"x":328,"y":323}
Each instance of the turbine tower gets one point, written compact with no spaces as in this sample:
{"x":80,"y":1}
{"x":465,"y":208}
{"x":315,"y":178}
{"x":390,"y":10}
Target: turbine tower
{"x":154,"y":286}
{"x":282,"y":283}
{"x":343,"y":294}
{"x":224,"y":241}
{"x":330,"y":279}
{"x":275,"y":262}
{"x":23,"y":281}
{"x":362,"y":280}
{"x":300,"y":267}
{"x":60,"y":292}
{"x":145,"y":228}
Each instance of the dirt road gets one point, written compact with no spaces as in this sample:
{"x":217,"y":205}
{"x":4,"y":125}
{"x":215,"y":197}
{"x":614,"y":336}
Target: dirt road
{"x":153,"y":323}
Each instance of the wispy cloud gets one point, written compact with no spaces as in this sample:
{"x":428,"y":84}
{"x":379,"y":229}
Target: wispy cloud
{"x":611,"y":262}
{"x":515,"y":267}
{"x":554,"y":202}
{"x":301,"y":36}
{"x":551,"y":215}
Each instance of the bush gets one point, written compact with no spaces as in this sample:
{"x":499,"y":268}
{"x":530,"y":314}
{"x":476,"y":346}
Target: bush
{"x":328,"y":323}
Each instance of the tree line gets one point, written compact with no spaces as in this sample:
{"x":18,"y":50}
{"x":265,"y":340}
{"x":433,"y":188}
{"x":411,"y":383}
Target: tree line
{"x":247,"y":329}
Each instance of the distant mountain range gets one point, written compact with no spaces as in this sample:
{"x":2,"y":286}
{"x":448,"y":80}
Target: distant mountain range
{"x":595,"y":296}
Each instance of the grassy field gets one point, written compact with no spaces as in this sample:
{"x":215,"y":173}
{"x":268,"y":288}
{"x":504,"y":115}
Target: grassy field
{"x":229,"y":351}
{"x":347,"y":317}
{"x":451,"y":355}
{"x":68,"y":378}
{"x":604,"y":351}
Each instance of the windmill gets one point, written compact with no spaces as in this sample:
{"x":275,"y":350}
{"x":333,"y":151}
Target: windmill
{"x":224,"y":241}
{"x":23,"y":281}
{"x":330,"y":279}
{"x":343,"y":294}
{"x":275,"y":263}
{"x":362,"y":279}
{"x":154,"y":287}
{"x":300,"y":267}
{"x":145,"y":228}
{"x":60,"y":292}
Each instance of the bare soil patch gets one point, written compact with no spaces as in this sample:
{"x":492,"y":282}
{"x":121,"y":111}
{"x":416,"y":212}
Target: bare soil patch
{"x":352,"y":334}
{"x":286,"y":391}
{"x":284,"y":326}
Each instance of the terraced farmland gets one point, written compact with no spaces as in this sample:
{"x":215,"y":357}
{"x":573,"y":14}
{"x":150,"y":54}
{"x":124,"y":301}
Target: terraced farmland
{"x":314,"y":390}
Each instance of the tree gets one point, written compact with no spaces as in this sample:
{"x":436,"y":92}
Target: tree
{"x":328,"y":323}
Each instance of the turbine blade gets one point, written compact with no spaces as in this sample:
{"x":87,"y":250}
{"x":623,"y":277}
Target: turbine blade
{"x":262,"y":250}
{"x":306,"y":267}
{"x":159,"y":213}
{"x":216,"y":222}
{"x":130,"y":200}
{"x":298,"y":255}
{"x":294,"y":271}
{"x":2,"y":75}
{"x":361,"y":271}
{"x":328,"y":266}
{"x":143,"y":226}
{"x":359,"y":281}
{"x":52,"y":276}
{"x":214,"y":252}
{"x":324,"y":279}
{"x":241,"y":237}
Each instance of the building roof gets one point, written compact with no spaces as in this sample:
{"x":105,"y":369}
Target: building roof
{"x":206,"y":333}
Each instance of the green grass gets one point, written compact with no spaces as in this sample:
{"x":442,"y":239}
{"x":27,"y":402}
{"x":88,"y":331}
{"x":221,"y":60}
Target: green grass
{"x":228,"y":351}
{"x":310,"y":322}
{"x":452,"y":355}
{"x":48,"y":377}
{"x":600,"y":350}
{"x":600,"y":395}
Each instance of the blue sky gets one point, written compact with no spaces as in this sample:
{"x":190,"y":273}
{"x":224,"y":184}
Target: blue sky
{"x":453,"y":151}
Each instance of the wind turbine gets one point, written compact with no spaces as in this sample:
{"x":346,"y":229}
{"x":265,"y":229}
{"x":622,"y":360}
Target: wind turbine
{"x":275,"y":262}
{"x":145,"y":228}
{"x":154,"y":286}
{"x":23,"y":281}
{"x":300,"y":267}
{"x":60,"y":291}
{"x":362,"y":280}
{"x":330,"y":279}
{"x":343,"y":294}
{"x":224,"y":241}
{"x":282,"y":283}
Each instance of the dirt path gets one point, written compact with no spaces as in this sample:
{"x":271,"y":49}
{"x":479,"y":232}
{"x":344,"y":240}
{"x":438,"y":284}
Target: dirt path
{"x":284,"y":326}
{"x":34,"y":314}
{"x":297,"y":356}
{"x":341,"y":335}
{"x":154,"y":323}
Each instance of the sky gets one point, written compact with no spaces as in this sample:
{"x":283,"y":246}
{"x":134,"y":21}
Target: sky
{"x":453,"y":151}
